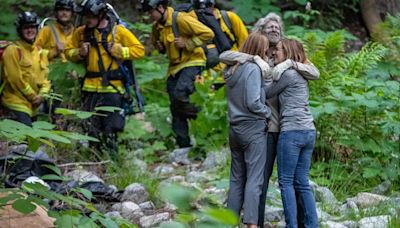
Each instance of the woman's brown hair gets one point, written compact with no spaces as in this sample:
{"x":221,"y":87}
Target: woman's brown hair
{"x":293,"y":50}
{"x":255,"y":44}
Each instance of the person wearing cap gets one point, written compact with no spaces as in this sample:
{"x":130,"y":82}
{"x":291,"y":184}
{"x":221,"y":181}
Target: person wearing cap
{"x":25,"y":71}
{"x":186,"y":61}
{"x":54,"y":37}
{"x":102,"y":45}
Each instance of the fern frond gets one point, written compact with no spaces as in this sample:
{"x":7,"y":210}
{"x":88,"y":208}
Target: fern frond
{"x":366,"y":59}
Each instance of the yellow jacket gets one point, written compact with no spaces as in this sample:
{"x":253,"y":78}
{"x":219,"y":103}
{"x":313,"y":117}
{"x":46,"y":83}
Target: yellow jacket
{"x":46,"y":39}
{"x":126,"y":47}
{"x":25,"y":70}
{"x":194,"y":33}
{"x":238,"y":33}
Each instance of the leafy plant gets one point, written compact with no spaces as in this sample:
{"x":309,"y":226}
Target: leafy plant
{"x":189,"y":216}
{"x":77,"y":212}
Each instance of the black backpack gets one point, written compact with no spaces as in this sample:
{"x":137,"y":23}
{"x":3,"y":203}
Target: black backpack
{"x":221,"y":41}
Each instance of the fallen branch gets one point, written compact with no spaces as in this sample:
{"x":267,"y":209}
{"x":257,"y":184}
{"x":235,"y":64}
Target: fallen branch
{"x":83,"y":164}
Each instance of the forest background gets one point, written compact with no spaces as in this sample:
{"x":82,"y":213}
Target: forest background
{"x":356,"y":103}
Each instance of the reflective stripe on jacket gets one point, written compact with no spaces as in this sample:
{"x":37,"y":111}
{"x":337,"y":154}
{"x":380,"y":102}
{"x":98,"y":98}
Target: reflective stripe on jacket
{"x":126,"y":47}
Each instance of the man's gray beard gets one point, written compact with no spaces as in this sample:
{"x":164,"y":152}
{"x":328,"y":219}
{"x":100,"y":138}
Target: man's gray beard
{"x":273,"y":39}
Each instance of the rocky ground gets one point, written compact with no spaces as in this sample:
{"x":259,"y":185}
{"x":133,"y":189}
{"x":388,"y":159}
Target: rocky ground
{"x":365,"y":210}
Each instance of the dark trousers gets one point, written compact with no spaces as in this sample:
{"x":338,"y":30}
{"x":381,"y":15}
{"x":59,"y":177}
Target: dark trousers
{"x":21,"y":117}
{"x":104,"y":128}
{"x":272,"y":145}
{"x":179,"y":87}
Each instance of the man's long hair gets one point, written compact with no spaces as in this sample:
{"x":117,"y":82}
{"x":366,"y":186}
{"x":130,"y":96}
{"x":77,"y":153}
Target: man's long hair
{"x":259,"y":26}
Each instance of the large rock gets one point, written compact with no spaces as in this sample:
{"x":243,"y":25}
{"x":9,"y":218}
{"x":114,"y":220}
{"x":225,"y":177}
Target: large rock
{"x":154,"y":220}
{"x":281,"y":224}
{"x":84,"y":176}
{"x":375,"y":222}
{"x":113,"y":214}
{"x":176,"y":179}
{"x":215,"y":159}
{"x":350,"y":207}
{"x":365,"y":199}
{"x":322,"y":215}
{"x":147,"y":205}
{"x":139,"y":165}
{"x":273,"y":214}
{"x":350,"y":224}
{"x":164,"y":170}
{"x":136,"y":193}
{"x":131,"y":211}
{"x":324,"y":195}
{"x":382,"y":188}
{"x":216,"y":193}
{"x":331,"y":224}
{"x":196,"y":177}
{"x":180,"y":156}
{"x":128,"y":210}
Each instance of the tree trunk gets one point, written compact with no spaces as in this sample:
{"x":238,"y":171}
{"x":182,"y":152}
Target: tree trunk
{"x":375,"y":11}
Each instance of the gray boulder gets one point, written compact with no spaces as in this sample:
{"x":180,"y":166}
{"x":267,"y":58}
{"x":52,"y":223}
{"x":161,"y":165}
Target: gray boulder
{"x":273,"y":214}
{"x":382,"y":188}
{"x":147,"y":206}
{"x":84,"y":176}
{"x":375,"y":222}
{"x":136,"y":193}
{"x":350,"y":224}
{"x":216,"y":159}
{"x":322,"y":215}
{"x":128,"y":208}
{"x":196,"y":177}
{"x":180,"y":156}
{"x":164,"y":170}
{"x":365,"y":199}
{"x":350,"y":207}
{"x":154,"y":220}
{"x":331,"y":224}
{"x":324,"y":195}
{"x":176,"y":179}
{"x":113,"y":214}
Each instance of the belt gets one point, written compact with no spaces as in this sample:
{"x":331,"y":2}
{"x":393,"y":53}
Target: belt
{"x":111,"y":75}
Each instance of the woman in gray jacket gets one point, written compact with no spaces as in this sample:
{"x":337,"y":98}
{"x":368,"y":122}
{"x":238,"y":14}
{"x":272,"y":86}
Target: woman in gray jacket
{"x":248,"y":115}
{"x":297,"y":136}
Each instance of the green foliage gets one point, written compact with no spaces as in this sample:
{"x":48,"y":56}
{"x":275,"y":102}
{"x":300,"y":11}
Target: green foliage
{"x":211,"y":126}
{"x":10,"y":9}
{"x":254,"y":9}
{"x":190,"y":216}
{"x":356,"y":108}
{"x":40,"y":132}
{"x":26,"y":199}
{"x":65,"y":78}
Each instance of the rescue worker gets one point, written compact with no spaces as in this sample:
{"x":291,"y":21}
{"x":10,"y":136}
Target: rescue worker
{"x":102,"y":45}
{"x":54,"y":37}
{"x":25,"y":71}
{"x":236,"y":32}
{"x":186,"y":61}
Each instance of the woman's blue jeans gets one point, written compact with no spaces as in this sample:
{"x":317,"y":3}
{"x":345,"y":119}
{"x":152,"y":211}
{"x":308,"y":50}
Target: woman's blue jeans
{"x":294,"y":160}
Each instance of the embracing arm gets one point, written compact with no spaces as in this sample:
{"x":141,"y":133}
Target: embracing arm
{"x":253,"y":94}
